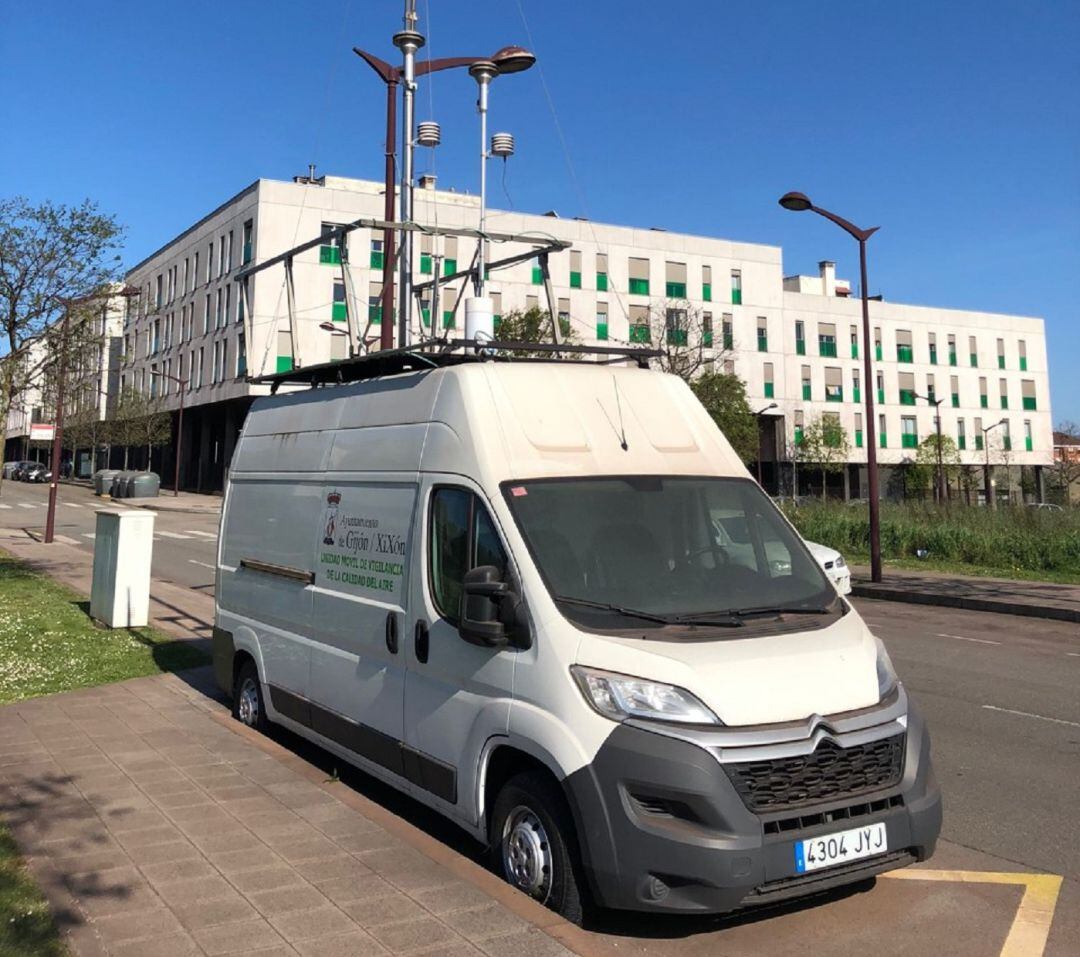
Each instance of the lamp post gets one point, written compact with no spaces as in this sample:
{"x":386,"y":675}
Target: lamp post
{"x":757,"y":419}
{"x":182,"y":383}
{"x":509,"y":59}
{"x":987,"y":484}
{"x":798,"y":202}
{"x":936,"y":403}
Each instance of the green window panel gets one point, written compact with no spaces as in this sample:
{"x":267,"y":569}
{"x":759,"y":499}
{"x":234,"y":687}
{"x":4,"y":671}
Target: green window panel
{"x":675,"y":290}
{"x":564,"y":327}
{"x":836,"y":396}
{"x":241,"y":368}
{"x":858,"y":438}
{"x":856,"y":395}
{"x":762,"y":343}
{"x":1006,"y":443}
{"x":247,"y":253}
{"x":974,"y":357}
{"x":1029,"y":403}
{"x":729,"y":341}
{"x":933,"y":355}
{"x":909,"y":441}
{"x":931,"y":396}
{"x":496,"y":322}
{"x":1001,"y":362}
{"x":1027,"y":444}
{"x":575,"y":280}
{"x":706,"y":291}
{"x":903,"y":354}
{"x":827,"y":349}
{"x":736,"y":297}
{"x":1023,"y":363}
{"x":374,"y":314}
{"x":537,"y":275}
{"x":883,"y":441}
{"x":1004,"y":401}
{"x":806,"y":391}
{"x":956,"y":400}
{"x":880,"y":396}
{"x":854,"y":350}
{"x":907,"y":397}
{"x":425,"y":264}
{"x":448,"y":321}
{"x":339,"y":312}
{"x":978,"y":443}
{"x":707,"y":339}
{"x":639,"y":333}
{"x":952,"y":358}
{"x":770,"y":388}
{"x":800,"y":347}
{"x":961,"y":442}
{"x":639,"y":287}
{"x":284,"y":364}
{"x":449,"y":267}
{"x":425,"y":315}
{"x":984,"y":402}
{"x":798,"y":435}
{"x":376,"y":259}
{"x":877,"y":352}
{"x":330,"y":255}
{"x":601,"y":330}
{"x":601,"y":282}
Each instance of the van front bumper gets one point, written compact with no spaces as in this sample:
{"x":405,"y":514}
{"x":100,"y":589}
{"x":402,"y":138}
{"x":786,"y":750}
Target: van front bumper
{"x":662,"y":827}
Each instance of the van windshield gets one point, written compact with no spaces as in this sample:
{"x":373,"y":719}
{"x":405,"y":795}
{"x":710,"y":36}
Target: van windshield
{"x":647,"y":552}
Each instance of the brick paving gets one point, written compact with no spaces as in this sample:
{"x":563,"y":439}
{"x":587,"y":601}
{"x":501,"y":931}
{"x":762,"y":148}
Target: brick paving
{"x":156,"y":829}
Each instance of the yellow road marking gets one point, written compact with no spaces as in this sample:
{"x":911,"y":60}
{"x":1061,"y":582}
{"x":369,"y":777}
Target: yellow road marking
{"x":1031,"y":925}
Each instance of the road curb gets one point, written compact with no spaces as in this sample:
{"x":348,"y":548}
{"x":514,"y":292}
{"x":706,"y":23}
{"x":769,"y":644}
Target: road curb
{"x":1022,"y":609}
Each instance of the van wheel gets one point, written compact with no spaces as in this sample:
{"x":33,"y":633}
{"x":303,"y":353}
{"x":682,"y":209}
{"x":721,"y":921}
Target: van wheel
{"x":533,"y":844}
{"x":247,"y":704}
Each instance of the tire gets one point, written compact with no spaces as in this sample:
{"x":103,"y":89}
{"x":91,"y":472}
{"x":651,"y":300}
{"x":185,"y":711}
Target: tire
{"x":534,"y":846}
{"x":247,"y":702}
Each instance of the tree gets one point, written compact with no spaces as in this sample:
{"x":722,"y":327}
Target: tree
{"x":922,"y":476}
{"x":139,"y":420}
{"x":825,"y":446}
{"x":1065,"y":472}
{"x":52,"y":257}
{"x":532,"y":325}
{"x":683,"y":333}
{"x":724,"y":398}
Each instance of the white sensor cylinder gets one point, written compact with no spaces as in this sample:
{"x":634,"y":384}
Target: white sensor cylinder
{"x":480,"y":319}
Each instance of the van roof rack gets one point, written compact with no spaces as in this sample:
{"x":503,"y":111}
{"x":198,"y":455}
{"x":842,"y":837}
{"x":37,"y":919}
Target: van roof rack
{"x":438,"y":353}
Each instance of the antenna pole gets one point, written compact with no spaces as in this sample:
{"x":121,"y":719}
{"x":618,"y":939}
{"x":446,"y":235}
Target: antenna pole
{"x":408,"y":41}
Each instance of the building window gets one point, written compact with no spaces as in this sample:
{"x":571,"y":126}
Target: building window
{"x":798,"y":423}
{"x":339,"y":309}
{"x":601,"y":321}
{"x":800,"y":338}
{"x":449,"y":316}
{"x":858,"y":430}
{"x":904,"y":351}
{"x":1001,"y":353}
{"x":762,"y":334}
{"x":601,"y":272}
{"x":854,"y":343}
{"x":537,"y":272}
{"x":675,"y":280}
{"x":675,"y":329}
{"x":241,"y":355}
{"x":1006,"y":437}
{"x":877,"y":344}
{"x":984,"y":401}
{"x":331,"y":249}
{"x":856,"y":391}
{"x":834,"y":388}
{"x":729,"y":336}
{"x":952,"y":350}
{"x":961,"y":435}
{"x":706,"y":330}
{"x":881,"y":388}
{"x":249,"y":231}
{"x":1028,"y":442}
{"x":973,"y":352}
{"x":736,"y":287}
{"x":575,"y":269}
{"x":284,"y":352}
{"x":639,"y":324}
{"x":1003,"y":391}
{"x":639,"y":277}
{"x":1022,"y":350}
{"x":827,"y":340}
{"x":706,"y":283}
{"x":770,"y":387}
{"x":1027,"y":390}
{"x":376,"y":258}
{"x":909,"y":433}
{"x":806,"y":389}
{"x":933,"y":349}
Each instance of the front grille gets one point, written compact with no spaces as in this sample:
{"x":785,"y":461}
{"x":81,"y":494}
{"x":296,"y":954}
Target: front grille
{"x":829,"y":773}
{"x":850,"y":812}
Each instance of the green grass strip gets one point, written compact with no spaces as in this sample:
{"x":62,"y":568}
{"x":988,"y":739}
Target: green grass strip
{"x":26,"y":925}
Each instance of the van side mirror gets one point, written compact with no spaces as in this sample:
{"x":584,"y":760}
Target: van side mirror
{"x":490,"y":611}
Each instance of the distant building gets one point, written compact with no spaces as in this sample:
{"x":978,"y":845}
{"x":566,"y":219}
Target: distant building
{"x":793,"y":340}
{"x":1067,"y":466}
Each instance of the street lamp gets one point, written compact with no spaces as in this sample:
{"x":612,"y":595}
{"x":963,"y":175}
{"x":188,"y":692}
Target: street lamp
{"x":757,"y":418}
{"x":799,"y":202}
{"x":987,"y":484}
{"x":510,"y":59}
{"x":182,"y":383}
{"x":936,"y":403}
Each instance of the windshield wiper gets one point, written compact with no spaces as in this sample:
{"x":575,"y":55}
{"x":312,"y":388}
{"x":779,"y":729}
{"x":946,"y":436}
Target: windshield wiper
{"x":617,"y":609}
{"x":735,"y":616}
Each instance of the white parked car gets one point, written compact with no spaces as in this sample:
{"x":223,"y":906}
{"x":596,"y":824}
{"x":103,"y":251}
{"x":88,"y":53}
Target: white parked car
{"x":835,"y":566}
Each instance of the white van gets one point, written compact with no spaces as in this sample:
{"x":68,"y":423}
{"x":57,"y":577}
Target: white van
{"x":497,"y":586}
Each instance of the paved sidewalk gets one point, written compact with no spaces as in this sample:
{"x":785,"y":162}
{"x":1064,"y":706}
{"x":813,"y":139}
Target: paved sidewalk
{"x":158,"y":826}
{"x":1004,"y":596}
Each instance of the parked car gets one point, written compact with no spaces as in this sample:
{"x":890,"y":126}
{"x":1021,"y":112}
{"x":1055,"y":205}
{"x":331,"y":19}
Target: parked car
{"x":497,"y":586}
{"x":21,"y":469}
{"x":1045,"y":506}
{"x":834,"y":565}
{"x":36,"y":472}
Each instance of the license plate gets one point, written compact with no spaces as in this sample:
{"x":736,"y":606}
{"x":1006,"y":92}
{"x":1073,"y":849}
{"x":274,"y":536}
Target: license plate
{"x":841,"y":847}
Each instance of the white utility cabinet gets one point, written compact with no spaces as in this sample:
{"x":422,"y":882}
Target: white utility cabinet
{"x":123,"y":547}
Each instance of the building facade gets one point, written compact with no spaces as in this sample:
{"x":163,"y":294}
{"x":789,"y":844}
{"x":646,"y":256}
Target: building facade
{"x":794,"y":341}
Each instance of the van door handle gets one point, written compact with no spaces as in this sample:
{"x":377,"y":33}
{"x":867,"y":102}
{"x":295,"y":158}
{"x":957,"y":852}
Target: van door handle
{"x":391,"y":633}
{"x":422,"y":643}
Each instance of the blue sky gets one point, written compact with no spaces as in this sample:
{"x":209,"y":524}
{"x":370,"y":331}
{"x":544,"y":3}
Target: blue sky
{"x":954,"y":126}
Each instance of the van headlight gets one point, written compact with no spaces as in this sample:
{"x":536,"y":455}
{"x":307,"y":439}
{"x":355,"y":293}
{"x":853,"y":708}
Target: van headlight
{"x":886,"y":674}
{"x":619,"y":697}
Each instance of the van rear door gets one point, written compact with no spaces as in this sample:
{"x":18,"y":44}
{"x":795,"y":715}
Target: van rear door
{"x":457,"y":695}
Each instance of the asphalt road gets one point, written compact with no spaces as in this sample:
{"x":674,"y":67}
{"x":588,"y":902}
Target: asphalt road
{"x":1002,"y":698}
{"x":185,"y":544}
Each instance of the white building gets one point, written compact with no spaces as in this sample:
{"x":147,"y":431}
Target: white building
{"x":793,"y":340}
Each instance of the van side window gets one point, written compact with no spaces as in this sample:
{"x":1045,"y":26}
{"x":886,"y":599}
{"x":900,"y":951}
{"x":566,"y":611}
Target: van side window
{"x":462,"y":536}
